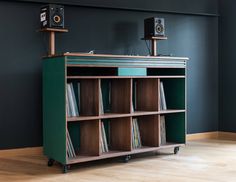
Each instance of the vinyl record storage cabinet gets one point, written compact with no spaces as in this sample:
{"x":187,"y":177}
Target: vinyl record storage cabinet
{"x":112,"y":92}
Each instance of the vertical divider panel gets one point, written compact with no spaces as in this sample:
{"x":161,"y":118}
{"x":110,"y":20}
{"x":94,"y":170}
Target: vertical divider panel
{"x":159,"y":93}
{"x":159,"y":129}
{"x":100,"y":133}
{"x":120,"y":133}
{"x":99,"y":99}
{"x":147,"y":94}
{"x":120,"y":95}
{"x":131,"y":96}
{"x":149,"y":128}
{"x":89,"y":95}
{"x":90,"y":138}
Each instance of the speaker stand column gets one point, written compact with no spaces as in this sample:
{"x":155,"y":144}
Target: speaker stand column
{"x":52,"y":44}
{"x":154,"y":43}
{"x":52,"y":35}
{"x":154,"y":47}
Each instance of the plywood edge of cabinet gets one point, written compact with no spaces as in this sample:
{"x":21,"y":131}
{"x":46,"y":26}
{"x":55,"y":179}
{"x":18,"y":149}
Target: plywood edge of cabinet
{"x":115,"y":153}
{"x":119,"y":56}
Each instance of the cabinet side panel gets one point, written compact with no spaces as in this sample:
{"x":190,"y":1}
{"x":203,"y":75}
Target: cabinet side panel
{"x":54,"y":112}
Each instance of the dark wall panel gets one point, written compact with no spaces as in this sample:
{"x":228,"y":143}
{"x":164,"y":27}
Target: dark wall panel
{"x":227,"y":66}
{"x":181,"y":6}
{"x":20,"y":77}
{"x":105,"y":31}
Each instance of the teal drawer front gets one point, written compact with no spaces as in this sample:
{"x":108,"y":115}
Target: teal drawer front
{"x":132,"y":71}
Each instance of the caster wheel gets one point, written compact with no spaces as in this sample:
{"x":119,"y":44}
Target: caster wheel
{"x":65,"y":168}
{"x":127,"y":158}
{"x":176,"y":150}
{"x":50,"y":162}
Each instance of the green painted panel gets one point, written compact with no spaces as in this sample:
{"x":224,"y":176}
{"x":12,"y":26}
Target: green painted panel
{"x":174,"y":93}
{"x":132,"y":71}
{"x":74,"y":130}
{"x":105,"y":85}
{"x":54,"y":112}
{"x":106,"y":123}
{"x":75,"y":86}
{"x":175,"y":128}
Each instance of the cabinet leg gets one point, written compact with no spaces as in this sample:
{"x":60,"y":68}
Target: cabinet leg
{"x":176,"y":150}
{"x":50,"y":162}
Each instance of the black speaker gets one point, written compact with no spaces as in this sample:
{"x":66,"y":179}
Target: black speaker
{"x":52,"y":16}
{"x":154,"y":27}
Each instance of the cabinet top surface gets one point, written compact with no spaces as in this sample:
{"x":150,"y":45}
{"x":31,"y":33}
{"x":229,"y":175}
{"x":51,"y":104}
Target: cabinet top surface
{"x":121,"y":56}
{"x":105,"y":60}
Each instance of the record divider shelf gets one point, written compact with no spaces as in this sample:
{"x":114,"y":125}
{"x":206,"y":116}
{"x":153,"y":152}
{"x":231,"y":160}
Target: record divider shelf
{"x":126,"y":87}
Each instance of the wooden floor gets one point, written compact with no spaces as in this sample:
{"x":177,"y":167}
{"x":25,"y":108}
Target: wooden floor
{"x":208,"y":160}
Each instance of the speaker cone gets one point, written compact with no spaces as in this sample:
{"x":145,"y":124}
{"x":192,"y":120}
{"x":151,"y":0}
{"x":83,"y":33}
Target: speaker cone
{"x":159,"y":28}
{"x":57,"y":19}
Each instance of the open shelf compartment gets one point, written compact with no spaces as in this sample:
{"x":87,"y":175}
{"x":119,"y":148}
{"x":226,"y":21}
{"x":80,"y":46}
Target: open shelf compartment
{"x":149,"y":130}
{"x":86,"y":95}
{"x":145,"y":94}
{"x":116,"y":95}
{"x":85,"y":137}
{"x":174,"y":93}
{"x":166,"y":71}
{"x":174,"y":129}
{"x":118,"y":134}
{"x":76,"y":70}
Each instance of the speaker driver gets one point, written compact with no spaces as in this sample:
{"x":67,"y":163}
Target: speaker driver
{"x":159,"y":28}
{"x":57,"y":19}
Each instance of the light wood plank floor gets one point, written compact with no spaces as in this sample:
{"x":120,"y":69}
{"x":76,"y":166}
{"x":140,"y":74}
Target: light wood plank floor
{"x":199,"y":161}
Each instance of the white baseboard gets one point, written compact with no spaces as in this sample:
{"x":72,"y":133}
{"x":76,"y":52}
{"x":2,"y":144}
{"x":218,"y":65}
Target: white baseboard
{"x":218,"y":135}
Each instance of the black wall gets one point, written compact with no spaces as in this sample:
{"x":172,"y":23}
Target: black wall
{"x":105,"y":31}
{"x":227,"y":66}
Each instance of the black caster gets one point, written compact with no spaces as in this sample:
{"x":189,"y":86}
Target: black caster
{"x":176,"y":150}
{"x":50,"y":162}
{"x":64,"y":168}
{"x":127,"y":158}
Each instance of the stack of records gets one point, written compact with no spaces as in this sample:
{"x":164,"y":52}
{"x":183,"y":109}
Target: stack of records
{"x":104,"y":145}
{"x":69,"y":145}
{"x":72,"y":106}
{"x":136,"y":139}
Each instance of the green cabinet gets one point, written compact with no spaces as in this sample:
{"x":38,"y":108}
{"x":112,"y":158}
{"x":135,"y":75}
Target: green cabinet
{"x":125,"y":105}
